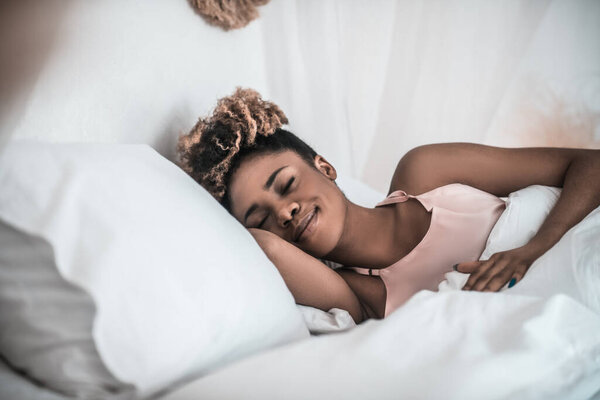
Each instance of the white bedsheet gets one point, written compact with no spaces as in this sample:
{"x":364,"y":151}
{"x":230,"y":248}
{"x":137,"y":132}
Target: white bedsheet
{"x":453,"y":345}
{"x":537,"y":340}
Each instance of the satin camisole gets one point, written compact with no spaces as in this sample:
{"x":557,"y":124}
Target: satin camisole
{"x":461,"y":221}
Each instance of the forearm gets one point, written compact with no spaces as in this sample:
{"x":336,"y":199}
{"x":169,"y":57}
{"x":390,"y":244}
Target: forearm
{"x":309,"y":280}
{"x":580,"y":195}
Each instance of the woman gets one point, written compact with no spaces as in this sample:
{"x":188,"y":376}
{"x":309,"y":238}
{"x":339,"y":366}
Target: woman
{"x":443,"y":202}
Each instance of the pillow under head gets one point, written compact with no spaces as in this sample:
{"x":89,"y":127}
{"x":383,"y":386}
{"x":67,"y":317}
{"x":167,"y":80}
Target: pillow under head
{"x":179,"y":286}
{"x":46,"y":323}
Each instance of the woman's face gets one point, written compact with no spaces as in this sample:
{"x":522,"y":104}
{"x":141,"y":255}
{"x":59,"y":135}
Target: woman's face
{"x":281,"y":193}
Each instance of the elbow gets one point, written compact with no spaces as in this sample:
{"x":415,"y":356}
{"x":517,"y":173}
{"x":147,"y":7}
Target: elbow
{"x":361,"y":313}
{"x":357,"y":315}
{"x":355,"y":309}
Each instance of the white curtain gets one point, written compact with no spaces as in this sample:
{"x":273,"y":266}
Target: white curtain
{"x":365,"y":82}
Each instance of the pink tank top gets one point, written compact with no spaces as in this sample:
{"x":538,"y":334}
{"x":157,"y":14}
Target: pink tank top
{"x":461,"y":221}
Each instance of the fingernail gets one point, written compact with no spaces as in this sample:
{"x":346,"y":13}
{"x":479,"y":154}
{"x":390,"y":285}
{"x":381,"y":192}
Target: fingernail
{"x":454,"y":267}
{"x":512,"y":282}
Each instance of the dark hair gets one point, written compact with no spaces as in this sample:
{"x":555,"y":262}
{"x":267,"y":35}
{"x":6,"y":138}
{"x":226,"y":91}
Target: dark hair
{"x":241,"y":126}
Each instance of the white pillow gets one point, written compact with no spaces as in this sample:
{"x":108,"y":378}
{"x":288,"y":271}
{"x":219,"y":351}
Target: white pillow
{"x":180,"y":287}
{"x":46,"y":323}
{"x":570,"y":267}
{"x":526,"y":209}
{"x":320,"y":322}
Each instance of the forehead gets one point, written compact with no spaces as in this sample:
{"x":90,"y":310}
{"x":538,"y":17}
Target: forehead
{"x":248,"y":180}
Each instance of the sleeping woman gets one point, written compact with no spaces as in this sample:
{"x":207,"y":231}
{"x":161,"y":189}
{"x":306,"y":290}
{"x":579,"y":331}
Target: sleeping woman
{"x":442,"y":204}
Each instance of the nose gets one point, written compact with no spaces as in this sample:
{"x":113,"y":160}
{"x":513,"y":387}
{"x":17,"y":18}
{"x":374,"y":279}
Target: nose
{"x":286,"y":213}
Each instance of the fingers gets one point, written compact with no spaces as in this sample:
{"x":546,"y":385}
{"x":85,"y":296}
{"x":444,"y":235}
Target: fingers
{"x":500,"y":269}
{"x":467,"y":267}
{"x":496,"y":282}
{"x":517,"y":276}
{"x":496,"y":277}
{"x":480,"y":272}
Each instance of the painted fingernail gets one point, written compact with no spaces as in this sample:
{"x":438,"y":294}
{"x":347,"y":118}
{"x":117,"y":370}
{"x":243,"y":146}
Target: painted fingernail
{"x":512,"y":282}
{"x":454,"y":267}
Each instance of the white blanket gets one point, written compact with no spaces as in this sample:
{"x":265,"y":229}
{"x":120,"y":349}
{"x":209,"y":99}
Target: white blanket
{"x":537,"y":340}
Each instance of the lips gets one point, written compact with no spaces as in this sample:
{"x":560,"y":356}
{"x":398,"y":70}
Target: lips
{"x":304,"y":223}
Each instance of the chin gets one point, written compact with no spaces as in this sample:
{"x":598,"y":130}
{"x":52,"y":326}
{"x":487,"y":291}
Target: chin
{"x":323,"y":240}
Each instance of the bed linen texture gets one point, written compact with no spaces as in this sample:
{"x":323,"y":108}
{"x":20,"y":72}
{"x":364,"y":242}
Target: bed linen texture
{"x":537,"y":340}
{"x":450,"y":345}
{"x":152,"y":249}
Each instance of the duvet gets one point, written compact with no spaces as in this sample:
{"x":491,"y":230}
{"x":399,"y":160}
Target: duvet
{"x":537,"y":340}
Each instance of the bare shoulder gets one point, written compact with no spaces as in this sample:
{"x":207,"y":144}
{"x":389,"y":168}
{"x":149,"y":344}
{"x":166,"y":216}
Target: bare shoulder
{"x":496,"y":170}
{"x":410,"y":175}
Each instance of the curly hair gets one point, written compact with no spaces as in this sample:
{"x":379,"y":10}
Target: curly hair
{"x":242,"y":125}
{"x":227,"y":14}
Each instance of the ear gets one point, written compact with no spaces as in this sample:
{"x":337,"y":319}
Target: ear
{"x":326,"y":169}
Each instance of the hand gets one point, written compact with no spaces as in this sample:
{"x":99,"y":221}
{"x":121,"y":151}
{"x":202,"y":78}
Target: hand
{"x":504,"y":267}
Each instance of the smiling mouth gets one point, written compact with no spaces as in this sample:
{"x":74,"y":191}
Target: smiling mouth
{"x":307,"y":223}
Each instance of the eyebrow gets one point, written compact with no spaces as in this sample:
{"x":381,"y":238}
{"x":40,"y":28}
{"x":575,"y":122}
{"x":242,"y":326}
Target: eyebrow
{"x":266,"y":186}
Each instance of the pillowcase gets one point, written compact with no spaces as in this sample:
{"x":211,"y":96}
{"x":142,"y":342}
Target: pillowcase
{"x":570,"y":267}
{"x":15,"y":386}
{"x":526,"y":209}
{"x":320,"y":322}
{"x":46,"y":323}
{"x":180,"y":287}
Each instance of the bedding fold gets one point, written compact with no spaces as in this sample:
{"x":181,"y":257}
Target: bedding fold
{"x":538,"y":340}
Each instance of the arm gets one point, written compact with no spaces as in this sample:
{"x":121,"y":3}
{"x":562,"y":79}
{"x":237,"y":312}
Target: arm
{"x":311,"y":282}
{"x":501,"y":171}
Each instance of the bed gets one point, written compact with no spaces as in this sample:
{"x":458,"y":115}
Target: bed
{"x":453,"y":344}
{"x":117,"y":278}
{"x":162,"y":290}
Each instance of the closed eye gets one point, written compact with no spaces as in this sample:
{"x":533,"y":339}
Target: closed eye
{"x":284,"y":191}
{"x":261,"y":223}
{"x":288,"y":185}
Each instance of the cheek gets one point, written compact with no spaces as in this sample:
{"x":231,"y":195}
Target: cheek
{"x":332,"y":220}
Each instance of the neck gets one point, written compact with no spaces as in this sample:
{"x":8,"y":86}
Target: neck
{"x":368,"y":238}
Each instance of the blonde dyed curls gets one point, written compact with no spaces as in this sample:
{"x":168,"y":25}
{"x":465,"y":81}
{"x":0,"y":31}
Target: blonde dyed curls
{"x":207,"y":152}
{"x":227,"y":14}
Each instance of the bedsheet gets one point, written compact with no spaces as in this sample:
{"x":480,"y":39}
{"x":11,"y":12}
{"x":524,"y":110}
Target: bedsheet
{"x":450,"y":345}
{"x":541,"y":341}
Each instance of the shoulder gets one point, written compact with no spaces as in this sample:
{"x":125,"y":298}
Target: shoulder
{"x":496,"y":170}
{"x":413,"y":173}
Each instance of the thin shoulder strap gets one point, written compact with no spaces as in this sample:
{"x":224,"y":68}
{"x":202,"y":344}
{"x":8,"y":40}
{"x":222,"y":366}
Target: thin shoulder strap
{"x":365,"y":271}
{"x":397,"y":196}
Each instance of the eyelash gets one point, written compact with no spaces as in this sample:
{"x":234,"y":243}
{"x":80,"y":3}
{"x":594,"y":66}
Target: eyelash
{"x":284,"y":191}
